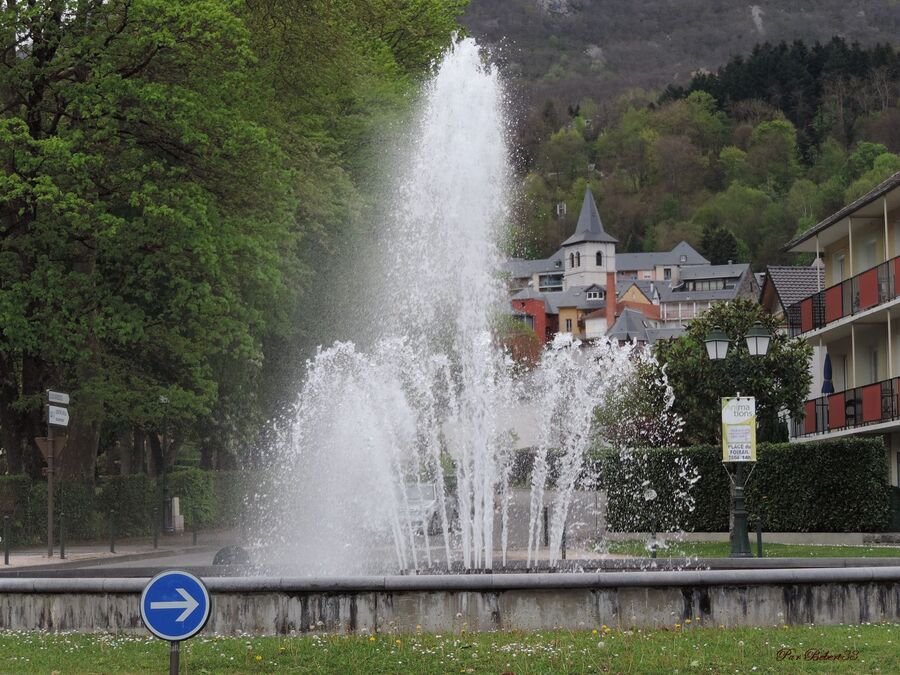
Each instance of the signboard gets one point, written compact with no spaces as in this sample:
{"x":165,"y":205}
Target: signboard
{"x":43,"y":443}
{"x":57,"y":397}
{"x":739,"y":429}
{"x":57,"y":416}
{"x":175,"y":605}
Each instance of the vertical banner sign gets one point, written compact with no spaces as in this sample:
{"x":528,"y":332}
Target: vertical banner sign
{"x":739,"y":429}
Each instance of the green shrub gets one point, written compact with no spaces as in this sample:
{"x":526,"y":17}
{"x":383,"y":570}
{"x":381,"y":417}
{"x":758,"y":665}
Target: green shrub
{"x":234,"y":491}
{"x":78,"y":501}
{"x":14,"y":492}
{"x":831,"y":486}
{"x":194,"y":488}
{"x":136,"y":501}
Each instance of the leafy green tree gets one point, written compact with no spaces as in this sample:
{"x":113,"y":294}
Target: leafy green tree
{"x":779,"y":381}
{"x":772,"y":157}
{"x":733,"y":163}
{"x":719,"y":245}
{"x":173,"y":177}
{"x":628,"y":148}
{"x":884,"y":166}
{"x":749,"y":213}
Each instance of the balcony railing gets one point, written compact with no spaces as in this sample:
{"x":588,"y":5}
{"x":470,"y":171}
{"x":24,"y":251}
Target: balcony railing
{"x":850,"y":409}
{"x":868,"y":289}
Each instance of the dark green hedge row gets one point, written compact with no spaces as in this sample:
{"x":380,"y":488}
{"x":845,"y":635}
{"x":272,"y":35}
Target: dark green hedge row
{"x":830,"y":486}
{"x":217,"y":499}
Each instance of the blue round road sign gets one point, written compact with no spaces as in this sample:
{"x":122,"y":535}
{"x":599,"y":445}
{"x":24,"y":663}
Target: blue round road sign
{"x":175,"y":605}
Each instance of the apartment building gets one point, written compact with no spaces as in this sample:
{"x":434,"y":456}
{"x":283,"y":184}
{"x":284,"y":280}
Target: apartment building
{"x":853,"y":321}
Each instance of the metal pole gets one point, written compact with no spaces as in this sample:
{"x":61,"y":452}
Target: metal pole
{"x":155,"y":530}
{"x":174,"y":654}
{"x":759,"y":526}
{"x":6,"y":542}
{"x":740,"y":541}
{"x":51,"y":451}
{"x":546,"y":526}
{"x":112,"y":531}
{"x":62,"y":535}
{"x":653,"y":537}
{"x":564,"y":542}
{"x":194,"y":523}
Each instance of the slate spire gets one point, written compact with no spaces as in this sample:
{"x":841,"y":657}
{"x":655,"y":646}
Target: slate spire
{"x":590,"y":227}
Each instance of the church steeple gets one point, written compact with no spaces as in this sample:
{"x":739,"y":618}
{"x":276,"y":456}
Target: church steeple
{"x":589,"y":227}
{"x":589,"y":254}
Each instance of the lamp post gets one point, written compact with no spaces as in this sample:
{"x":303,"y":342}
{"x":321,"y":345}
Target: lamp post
{"x":717,"y":344}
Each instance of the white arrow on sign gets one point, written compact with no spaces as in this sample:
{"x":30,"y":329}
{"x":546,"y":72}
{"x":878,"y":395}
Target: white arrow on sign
{"x":188,"y":604}
{"x":57,"y":416}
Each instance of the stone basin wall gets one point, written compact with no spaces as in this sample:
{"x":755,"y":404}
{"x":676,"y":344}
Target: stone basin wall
{"x":282,"y":605}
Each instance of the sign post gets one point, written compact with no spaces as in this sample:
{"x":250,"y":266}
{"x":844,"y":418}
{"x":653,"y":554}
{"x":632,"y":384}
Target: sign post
{"x":175,"y":606}
{"x":51,"y":448}
{"x":739,"y":446}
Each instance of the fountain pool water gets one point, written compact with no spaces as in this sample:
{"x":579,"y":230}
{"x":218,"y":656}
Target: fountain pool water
{"x":400,"y":453}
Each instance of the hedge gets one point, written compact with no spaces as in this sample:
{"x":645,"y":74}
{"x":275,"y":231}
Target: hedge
{"x":14,"y":502}
{"x":77,"y":500}
{"x":220,"y":498}
{"x":136,"y":501}
{"x":829,"y":486}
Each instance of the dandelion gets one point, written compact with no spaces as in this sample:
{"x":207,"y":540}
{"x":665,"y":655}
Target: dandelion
{"x":399,"y":642}
{"x":601,"y":644}
{"x":258,"y":657}
{"x":594,"y":632}
{"x":677,"y":626}
{"x":687,"y":621}
{"x":371,"y":638}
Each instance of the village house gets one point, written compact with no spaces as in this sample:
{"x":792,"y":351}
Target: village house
{"x":585,"y":287}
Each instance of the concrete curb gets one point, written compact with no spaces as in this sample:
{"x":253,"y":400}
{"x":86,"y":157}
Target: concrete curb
{"x":473,"y":583}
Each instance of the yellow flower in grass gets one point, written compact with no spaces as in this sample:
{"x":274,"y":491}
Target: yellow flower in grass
{"x":677,"y":626}
{"x":258,"y":657}
{"x":399,"y":642}
{"x":687,"y":621}
{"x":371,"y":638}
{"x":594,"y":632}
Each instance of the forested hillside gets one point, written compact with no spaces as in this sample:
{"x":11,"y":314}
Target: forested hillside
{"x":174,"y":177}
{"x":569,"y":49}
{"x":734,"y":162}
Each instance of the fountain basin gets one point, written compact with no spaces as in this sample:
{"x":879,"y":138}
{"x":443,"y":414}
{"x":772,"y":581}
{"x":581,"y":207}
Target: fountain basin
{"x":278,"y":605}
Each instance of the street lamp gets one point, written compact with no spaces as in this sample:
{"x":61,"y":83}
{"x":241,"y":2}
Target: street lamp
{"x":716,"y":344}
{"x":758,"y":339}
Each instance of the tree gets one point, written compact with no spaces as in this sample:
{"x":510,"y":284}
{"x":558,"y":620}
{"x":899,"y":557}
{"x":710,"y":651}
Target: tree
{"x":173,"y":174}
{"x":779,"y":381}
{"x":719,"y":245}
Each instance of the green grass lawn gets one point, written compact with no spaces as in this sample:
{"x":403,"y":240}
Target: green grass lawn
{"x":677,"y":649}
{"x":714,"y":549}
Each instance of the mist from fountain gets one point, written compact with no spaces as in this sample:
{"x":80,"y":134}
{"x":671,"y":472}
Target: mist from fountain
{"x":429,"y":409}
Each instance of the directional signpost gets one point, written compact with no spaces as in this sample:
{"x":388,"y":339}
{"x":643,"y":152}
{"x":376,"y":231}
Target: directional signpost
{"x":175,"y":606}
{"x":51,"y":448}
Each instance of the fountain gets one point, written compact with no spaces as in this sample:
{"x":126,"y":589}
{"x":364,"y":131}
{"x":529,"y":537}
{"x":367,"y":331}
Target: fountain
{"x":400,"y":454}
